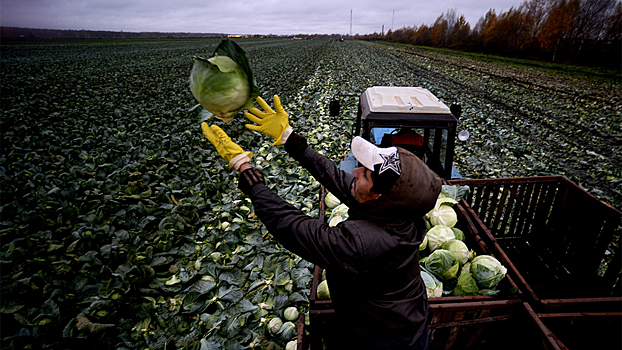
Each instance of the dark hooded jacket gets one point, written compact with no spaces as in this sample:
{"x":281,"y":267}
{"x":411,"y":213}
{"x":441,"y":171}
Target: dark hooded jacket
{"x":371,"y":259}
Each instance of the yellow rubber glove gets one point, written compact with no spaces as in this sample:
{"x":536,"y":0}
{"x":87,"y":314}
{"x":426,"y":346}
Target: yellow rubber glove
{"x":271,"y":123}
{"x":228,"y":149}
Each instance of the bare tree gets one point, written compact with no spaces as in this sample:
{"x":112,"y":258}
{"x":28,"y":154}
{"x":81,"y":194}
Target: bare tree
{"x":590,"y":21}
{"x":535,"y":16}
{"x":613,"y":25}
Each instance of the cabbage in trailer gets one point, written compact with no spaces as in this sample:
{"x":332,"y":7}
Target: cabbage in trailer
{"x":323,"y":293}
{"x":438,"y":235}
{"x":433,"y":287}
{"x":487,"y":271}
{"x":466,"y":284}
{"x":443,"y":264}
{"x":443,"y":213}
{"x":458,"y":249}
{"x":455,"y":192}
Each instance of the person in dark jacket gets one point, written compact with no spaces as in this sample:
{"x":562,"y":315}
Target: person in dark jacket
{"x":372,"y":258}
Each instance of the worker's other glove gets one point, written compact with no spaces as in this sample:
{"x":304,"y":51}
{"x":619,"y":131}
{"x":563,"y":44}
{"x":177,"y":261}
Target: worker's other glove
{"x":228,"y":149}
{"x":271,"y":123}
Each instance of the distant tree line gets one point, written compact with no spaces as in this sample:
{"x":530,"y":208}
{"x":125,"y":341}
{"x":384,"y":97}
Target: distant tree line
{"x":18,"y":34}
{"x":32,"y":34}
{"x":586,"y":32}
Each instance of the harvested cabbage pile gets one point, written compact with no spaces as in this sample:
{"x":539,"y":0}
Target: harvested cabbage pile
{"x":455,"y":269}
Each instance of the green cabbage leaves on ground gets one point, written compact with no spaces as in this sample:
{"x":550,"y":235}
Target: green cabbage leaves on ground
{"x":122,"y":227}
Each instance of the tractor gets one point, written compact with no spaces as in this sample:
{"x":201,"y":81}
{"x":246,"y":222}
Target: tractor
{"x":411,"y":118}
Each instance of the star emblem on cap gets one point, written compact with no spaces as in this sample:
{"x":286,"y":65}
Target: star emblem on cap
{"x":391,"y":161}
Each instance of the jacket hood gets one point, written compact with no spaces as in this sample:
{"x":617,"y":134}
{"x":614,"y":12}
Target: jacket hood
{"x":412,"y":195}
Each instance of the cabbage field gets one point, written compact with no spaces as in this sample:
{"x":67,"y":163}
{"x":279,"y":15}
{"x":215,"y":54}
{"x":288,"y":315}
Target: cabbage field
{"x":121,"y":226}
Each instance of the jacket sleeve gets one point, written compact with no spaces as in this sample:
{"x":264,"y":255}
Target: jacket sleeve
{"x":313,"y":240}
{"x":336,"y":181}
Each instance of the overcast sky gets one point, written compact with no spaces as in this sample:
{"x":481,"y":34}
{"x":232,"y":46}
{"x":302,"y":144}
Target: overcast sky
{"x":240,"y":16}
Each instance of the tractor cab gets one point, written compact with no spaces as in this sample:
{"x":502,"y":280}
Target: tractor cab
{"x":411,"y":118}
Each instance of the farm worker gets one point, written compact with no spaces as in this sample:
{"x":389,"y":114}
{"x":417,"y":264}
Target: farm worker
{"x":371,"y":259}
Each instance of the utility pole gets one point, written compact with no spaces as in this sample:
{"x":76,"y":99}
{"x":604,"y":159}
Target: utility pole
{"x":393,"y":19}
{"x":350,"y":23}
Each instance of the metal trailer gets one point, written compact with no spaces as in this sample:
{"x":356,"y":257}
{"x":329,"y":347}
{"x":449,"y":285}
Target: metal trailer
{"x":558,"y":239}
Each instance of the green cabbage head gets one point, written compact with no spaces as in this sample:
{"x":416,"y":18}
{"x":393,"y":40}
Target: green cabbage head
{"x":275,"y":324}
{"x":443,"y":264}
{"x":466,"y":285}
{"x":287,"y":331}
{"x":339,"y":214}
{"x":438,"y":235}
{"x":443,"y":215}
{"x":322,"y":291}
{"x":458,"y":249}
{"x":291,"y":313}
{"x":224,"y":84}
{"x":221,"y":86}
{"x":331,"y":201}
{"x":423,"y":244}
{"x":487,"y":271}
{"x":291,"y":345}
{"x":433,"y":287}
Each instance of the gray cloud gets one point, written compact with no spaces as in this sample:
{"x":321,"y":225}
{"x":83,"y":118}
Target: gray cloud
{"x":238,"y":16}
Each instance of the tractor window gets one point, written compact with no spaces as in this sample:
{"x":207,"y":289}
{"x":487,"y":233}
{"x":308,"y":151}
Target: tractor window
{"x":430,"y":145}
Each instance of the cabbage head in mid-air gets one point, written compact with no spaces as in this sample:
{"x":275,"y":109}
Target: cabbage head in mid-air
{"x":443,"y":264}
{"x":223,"y":84}
{"x":487,"y":271}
